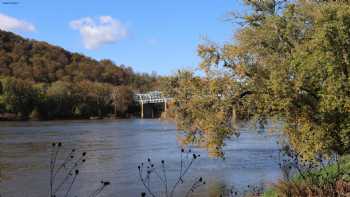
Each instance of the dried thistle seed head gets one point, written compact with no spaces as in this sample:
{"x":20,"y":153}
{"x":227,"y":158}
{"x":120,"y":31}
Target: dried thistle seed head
{"x":143,"y":194}
{"x":84,"y":153}
{"x":149,"y":160}
{"x":162,"y":162}
{"x":76,"y":171}
{"x":194,"y":156}
{"x":59,"y":144}
{"x":182,"y":150}
{"x":53,"y":144}
{"x":106,"y":183}
{"x":200,"y":179}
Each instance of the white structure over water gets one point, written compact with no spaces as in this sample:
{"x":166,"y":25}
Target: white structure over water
{"x":153,"y":97}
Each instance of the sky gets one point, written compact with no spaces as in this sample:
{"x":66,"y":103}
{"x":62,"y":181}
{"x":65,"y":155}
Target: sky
{"x":148,"y":35}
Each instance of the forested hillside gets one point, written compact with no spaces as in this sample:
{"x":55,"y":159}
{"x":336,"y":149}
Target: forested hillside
{"x":42,"y":62}
{"x":46,"y":81}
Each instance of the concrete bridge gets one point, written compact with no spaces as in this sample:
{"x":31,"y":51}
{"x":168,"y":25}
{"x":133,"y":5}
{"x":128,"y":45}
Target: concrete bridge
{"x":148,"y":101}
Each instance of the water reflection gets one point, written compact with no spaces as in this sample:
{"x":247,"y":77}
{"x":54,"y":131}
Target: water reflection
{"x":115,"y":149}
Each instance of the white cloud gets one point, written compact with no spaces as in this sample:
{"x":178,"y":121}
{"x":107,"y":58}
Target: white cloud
{"x":100,"y":31}
{"x":9,"y":23}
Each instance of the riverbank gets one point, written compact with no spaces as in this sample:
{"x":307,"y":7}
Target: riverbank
{"x":331,"y":179}
{"x":15,"y":117}
{"x":133,"y":113}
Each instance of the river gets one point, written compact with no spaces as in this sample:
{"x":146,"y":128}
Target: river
{"x":114,"y":150}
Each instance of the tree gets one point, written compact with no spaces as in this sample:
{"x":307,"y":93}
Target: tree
{"x":293,"y":65}
{"x":61,"y":99}
{"x":204,"y":108}
{"x":101,"y":93}
{"x":41,"y":109}
{"x":122,"y":98}
{"x":18,"y":96}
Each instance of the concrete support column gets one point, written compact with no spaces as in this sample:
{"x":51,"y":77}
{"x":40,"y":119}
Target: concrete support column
{"x":141,"y":109}
{"x":165,"y":106}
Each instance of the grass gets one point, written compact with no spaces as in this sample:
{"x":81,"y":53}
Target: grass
{"x":331,"y":171}
{"x":326,"y":174}
{"x":270,"y":192}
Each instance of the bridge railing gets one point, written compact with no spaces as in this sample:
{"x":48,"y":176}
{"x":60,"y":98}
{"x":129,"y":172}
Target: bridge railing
{"x":151,"y":97}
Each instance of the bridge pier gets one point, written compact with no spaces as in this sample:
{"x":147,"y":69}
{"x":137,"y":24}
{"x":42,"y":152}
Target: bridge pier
{"x":165,"y":108}
{"x":141,"y":109}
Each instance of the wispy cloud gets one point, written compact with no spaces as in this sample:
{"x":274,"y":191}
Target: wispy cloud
{"x":96,"y":32}
{"x":9,"y":23}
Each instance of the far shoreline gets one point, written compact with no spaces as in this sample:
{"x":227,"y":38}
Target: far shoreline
{"x":81,"y":118}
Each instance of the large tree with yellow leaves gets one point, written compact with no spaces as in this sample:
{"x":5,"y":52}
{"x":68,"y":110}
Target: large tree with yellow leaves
{"x":289,"y":60}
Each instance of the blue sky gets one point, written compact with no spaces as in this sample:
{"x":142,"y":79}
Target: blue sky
{"x":148,"y":35}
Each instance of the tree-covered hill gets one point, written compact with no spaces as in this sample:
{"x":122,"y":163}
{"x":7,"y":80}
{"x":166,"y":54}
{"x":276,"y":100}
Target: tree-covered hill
{"x":40,"y":80}
{"x":41,"y":62}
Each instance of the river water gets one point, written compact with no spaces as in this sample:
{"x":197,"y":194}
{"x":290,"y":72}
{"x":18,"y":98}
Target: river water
{"x":114,"y":150}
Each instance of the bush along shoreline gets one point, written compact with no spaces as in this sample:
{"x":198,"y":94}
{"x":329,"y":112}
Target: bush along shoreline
{"x":322,"y":176}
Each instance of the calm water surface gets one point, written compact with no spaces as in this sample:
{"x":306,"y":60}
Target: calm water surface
{"x":116,"y":147}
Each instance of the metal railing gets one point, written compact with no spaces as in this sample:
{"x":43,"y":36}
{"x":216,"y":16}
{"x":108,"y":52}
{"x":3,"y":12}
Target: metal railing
{"x":151,"y":97}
